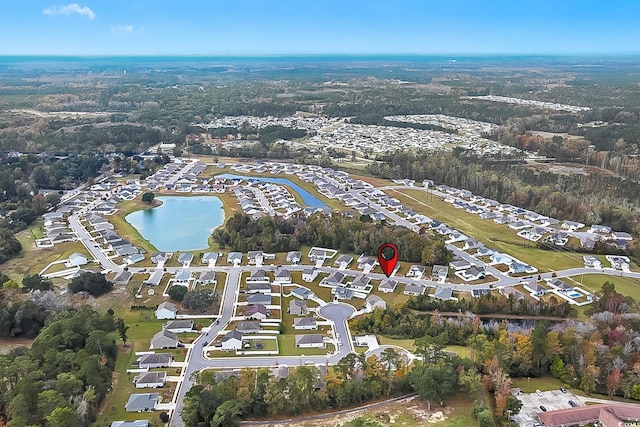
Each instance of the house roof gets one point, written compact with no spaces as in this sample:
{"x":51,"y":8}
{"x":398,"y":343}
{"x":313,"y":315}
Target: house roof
{"x":309,"y":339}
{"x":414,"y":288}
{"x":140,"y":402}
{"x":168,"y":306}
{"x":150,"y":377}
{"x":302,"y":292}
{"x":256,"y":308}
{"x":259,"y":299}
{"x":607,"y":414}
{"x":305,"y":321}
{"x":165,"y":336}
{"x":374,"y":299}
{"x":248,"y":326}
{"x":283,"y":272}
{"x":155,"y":358}
{"x":300,"y":303}
{"x":388,"y":284}
{"x":136,"y":423}
{"x":179,"y":324}
{"x":443,"y":293}
{"x":235,"y":334}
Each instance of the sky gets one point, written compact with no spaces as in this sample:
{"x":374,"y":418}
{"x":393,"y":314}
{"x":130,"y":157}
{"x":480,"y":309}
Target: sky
{"x":280,"y":27}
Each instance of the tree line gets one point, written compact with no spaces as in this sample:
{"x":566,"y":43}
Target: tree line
{"x":242,"y":233}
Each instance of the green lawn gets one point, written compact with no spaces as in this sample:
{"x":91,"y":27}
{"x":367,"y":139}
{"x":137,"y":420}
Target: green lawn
{"x":593,"y":283}
{"x":530,"y":385}
{"x":407,"y":344}
{"x":493,"y":235}
{"x":287,"y":345}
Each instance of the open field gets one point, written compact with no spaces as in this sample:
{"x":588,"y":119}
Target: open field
{"x":493,"y":235}
{"x":530,"y":385}
{"x":593,"y":283}
{"x":8,"y":344}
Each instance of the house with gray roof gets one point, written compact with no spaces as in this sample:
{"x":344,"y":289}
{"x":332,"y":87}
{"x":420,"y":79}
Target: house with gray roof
{"x":255,"y":258}
{"x":251,"y":327}
{"x":387,"y":285}
{"x":310,"y":341}
{"x":159,"y":257}
{"x":509,"y":291}
{"x":333,"y":280}
{"x":150,"y":379}
{"x":305,"y":323}
{"x":258,"y":276}
{"x":282,"y":276}
{"x":374,"y":301}
{"x":256,"y":311}
{"x":294,"y":257}
{"x":342,"y":292}
{"x":234,"y":258}
{"x":206,"y":277}
{"x":232,"y":340}
{"x":413,"y":289}
{"x":182,"y":277}
{"x":343,"y":261}
{"x":122,"y":278}
{"x":209,"y":258}
{"x":298,"y":307}
{"x":416,"y":271}
{"x":361,"y":282}
{"x":255,"y":288}
{"x":443,"y":294}
{"x":309,"y":274}
{"x":143,"y":402}
{"x":166,"y":310}
{"x":179,"y":326}
{"x":164,"y":339}
{"x":137,"y":423}
{"x":155,"y":360}
{"x":439,"y":273}
{"x":185,"y":259}
{"x":259,"y":298}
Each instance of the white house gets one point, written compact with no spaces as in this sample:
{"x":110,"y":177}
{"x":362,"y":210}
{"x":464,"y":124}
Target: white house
{"x":150,"y":379}
{"x":416,"y":271}
{"x":309,"y":341}
{"x":305,"y":323}
{"x":387,"y":286}
{"x":282,"y":276}
{"x":232,"y":340}
{"x":166,"y":310}
{"x":413,"y":289}
{"x":374,"y":301}
{"x":76,"y":260}
{"x":309,"y":274}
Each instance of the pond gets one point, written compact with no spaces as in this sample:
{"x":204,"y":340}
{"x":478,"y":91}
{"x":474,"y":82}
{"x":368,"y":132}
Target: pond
{"x":307,"y":198}
{"x":180,"y":223}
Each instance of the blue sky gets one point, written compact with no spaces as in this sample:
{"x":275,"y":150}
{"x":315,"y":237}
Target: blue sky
{"x":263,"y":27}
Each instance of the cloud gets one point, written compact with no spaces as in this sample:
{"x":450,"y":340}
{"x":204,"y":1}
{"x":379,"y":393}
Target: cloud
{"x":122,"y":29}
{"x":70,"y":9}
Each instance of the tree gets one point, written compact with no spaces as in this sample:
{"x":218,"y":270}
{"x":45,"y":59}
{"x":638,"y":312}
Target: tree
{"x":63,"y":417}
{"x":95,"y":284}
{"x":434,"y":382}
{"x":36,"y":282}
{"x":227,"y":414}
{"x":148,"y":197}
{"x":177,"y":292}
{"x":199,"y":301}
{"x":164,"y":417}
{"x":122,"y":330}
{"x":557,"y":367}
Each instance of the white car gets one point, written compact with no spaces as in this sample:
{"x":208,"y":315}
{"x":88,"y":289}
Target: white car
{"x":539,"y":393}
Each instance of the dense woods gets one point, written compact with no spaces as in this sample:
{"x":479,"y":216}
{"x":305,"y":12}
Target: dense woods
{"x":243,"y":233}
{"x":64,"y":376}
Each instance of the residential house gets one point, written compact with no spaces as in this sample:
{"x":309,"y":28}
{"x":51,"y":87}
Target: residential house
{"x":209,"y":258}
{"x":302,"y":293}
{"x":374,"y":301}
{"x":185,"y":259}
{"x":252,"y":327}
{"x":154,"y":277}
{"x":439,"y":273}
{"x":179,"y":326}
{"x":298,"y":307}
{"x":136,"y":423}
{"x":257,"y":312}
{"x":310,"y":341}
{"x":473,"y":273}
{"x":511,"y":292}
{"x":477,"y":293}
{"x":258,"y":276}
{"x":341,"y":292}
{"x":387,"y":285}
{"x":259,"y":298}
{"x":519,"y":268}
{"x":234,"y":258}
{"x":282,"y":277}
{"x":561,"y":285}
{"x":164,"y":339}
{"x":361,"y":282}
{"x":443,"y":294}
{"x":595,"y":228}
{"x":155,"y":360}
{"x":182,"y":277}
{"x":255,"y":258}
{"x":166,"y":310}
{"x":133,"y":258}
{"x":309,"y":274}
{"x":535,"y":288}
{"x":206,"y":277}
{"x":416,"y":271}
{"x":333,"y":280}
{"x":484,"y":251}
{"x":572,"y":225}
{"x":499,"y":258}
{"x":460,"y":264}
{"x":159,"y":257}
{"x":232,"y":340}
{"x":367,"y":262}
{"x":294,"y":257}
{"x":343,"y":261}
{"x":305,"y":323}
{"x":76,"y":260}
{"x":150,"y":379}
{"x":142,"y":402}
{"x":592,"y":261}
{"x":260,"y":287}
{"x":122,"y":278}
{"x":318,"y":255}
{"x":615,"y":235}
{"x":413,"y":289}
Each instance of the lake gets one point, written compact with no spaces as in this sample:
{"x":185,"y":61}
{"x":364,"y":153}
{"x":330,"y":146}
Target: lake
{"x":307,"y":198}
{"x":180,"y":223}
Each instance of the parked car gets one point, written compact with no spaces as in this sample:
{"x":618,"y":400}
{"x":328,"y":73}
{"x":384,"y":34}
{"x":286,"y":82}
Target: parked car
{"x":539,"y":393}
{"x":543,"y":409}
{"x":572,"y":404}
{"x":564,"y":390}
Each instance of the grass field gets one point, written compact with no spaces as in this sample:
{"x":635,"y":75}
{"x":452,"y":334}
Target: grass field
{"x":593,"y":283}
{"x":493,"y":235}
{"x":530,"y":385}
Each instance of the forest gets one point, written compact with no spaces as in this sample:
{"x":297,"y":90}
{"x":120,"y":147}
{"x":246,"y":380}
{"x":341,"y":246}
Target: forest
{"x":242,"y":233}
{"x":63,"y":377}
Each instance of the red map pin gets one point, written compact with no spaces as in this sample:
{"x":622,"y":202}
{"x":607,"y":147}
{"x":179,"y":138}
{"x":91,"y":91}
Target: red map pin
{"x":388,"y":257}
